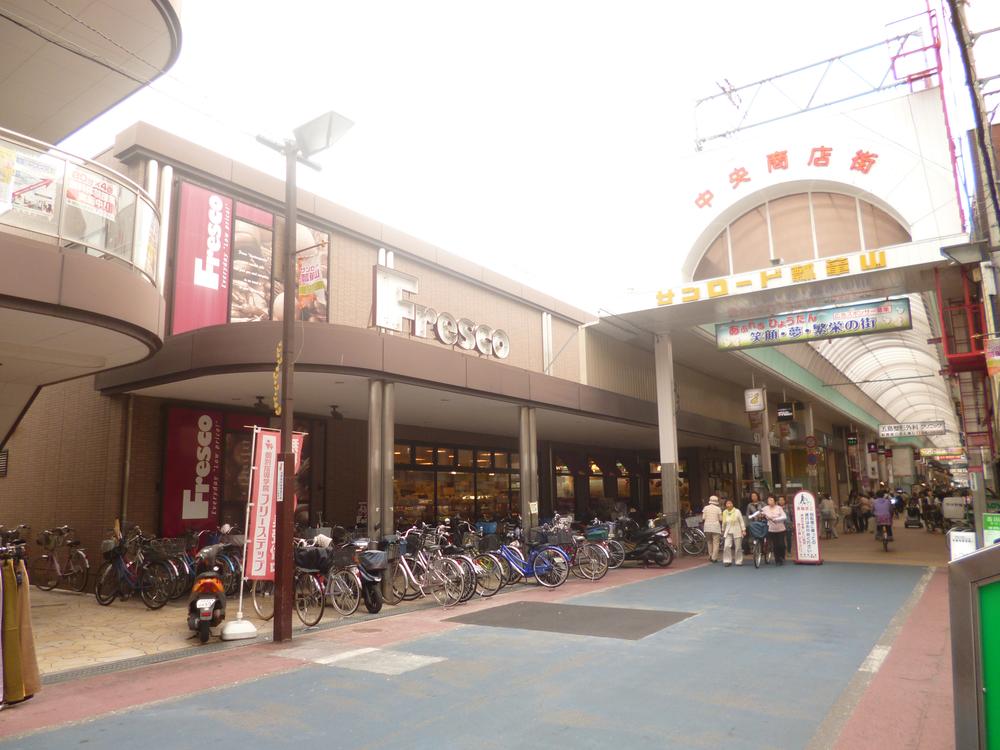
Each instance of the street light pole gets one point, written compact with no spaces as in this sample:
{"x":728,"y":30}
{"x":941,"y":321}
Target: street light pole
{"x":310,"y":138}
{"x":283,"y":563}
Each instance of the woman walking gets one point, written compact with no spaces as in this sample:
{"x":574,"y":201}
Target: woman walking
{"x":776,"y":517}
{"x":733,"y":530}
{"x":711,"y":514}
{"x":789,"y":523}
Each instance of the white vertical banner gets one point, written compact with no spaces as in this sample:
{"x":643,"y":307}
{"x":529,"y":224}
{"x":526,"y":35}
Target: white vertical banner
{"x":263,"y":508}
{"x":806,"y":529}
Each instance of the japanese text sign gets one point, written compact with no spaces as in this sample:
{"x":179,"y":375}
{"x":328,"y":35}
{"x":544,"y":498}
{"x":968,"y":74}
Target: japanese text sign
{"x":911,"y":429}
{"x":814,"y":325}
{"x":806,"y":529}
{"x":263,"y":511}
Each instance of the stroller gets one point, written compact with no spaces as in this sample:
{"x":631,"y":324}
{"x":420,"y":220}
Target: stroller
{"x":758,"y":537}
{"x":912,"y":520}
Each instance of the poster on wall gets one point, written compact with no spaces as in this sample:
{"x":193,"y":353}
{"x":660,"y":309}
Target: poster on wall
{"x":252,"y":257}
{"x":91,"y":192}
{"x":201,"y":275}
{"x":806,"y":529}
{"x":192,"y":471}
{"x":27,"y":184}
{"x":312,"y":268}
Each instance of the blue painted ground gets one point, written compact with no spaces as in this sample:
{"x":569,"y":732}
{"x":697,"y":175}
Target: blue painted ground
{"x":760,"y":665}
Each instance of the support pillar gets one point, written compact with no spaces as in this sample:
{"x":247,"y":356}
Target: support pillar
{"x":765,"y":447}
{"x":375,"y":395}
{"x":388,"y":458}
{"x":666,"y":413}
{"x":809,"y":425}
{"x":528,"y":461}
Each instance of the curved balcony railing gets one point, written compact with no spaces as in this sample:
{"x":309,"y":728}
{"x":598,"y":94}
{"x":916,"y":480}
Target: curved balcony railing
{"x":78,"y":203}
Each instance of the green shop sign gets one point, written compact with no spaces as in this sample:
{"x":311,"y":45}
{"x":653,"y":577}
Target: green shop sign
{"x":815,"y":325}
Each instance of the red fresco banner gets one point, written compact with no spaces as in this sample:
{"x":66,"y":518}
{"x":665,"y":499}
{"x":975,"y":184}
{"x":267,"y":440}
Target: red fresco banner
{"x":193,"y":471}
{"x":201,"y":276}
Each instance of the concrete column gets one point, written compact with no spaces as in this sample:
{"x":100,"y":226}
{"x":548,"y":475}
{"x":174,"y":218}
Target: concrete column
{"x":528,"y":461}
{"x":666,"y":413}
{"x":737,"y":475}
{"x":375,"y":394}
{"x":812,"y":479}
{"x":388,"y":457}
{"x":166,"y":196}
{"x":765,"y":446}
{"x":977,"y":487}
{"x":533,"y":452}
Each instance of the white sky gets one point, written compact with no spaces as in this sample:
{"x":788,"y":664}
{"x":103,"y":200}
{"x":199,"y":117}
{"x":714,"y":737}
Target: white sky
{"x":536,"y":138}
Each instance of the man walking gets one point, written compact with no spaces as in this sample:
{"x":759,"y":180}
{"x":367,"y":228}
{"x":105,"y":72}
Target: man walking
{"x":711,"y":514}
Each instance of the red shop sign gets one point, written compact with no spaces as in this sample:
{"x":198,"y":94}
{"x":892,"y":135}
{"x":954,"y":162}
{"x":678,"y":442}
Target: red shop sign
{"x":192,"y":471}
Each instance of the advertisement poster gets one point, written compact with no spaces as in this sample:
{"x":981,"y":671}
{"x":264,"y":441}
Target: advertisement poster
{"x":252,"y":258}
{"x":265,"y":494}
{"x":815,"y":325}
{"x":991,"y":528}
{"x":992,"y":355}
{"x":8,"y":163}
{"x":911,"y":429}
{"x":192,"y":471}
{"x":312,"y":263}
{"x":31,"y":189}
{"x":806,"y":529}
{"x":201,"y":275}
{"x":263,"y":505}
{"x":91,"y":192}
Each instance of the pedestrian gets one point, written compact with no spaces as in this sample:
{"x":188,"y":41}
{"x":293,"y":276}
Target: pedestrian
{"x":866,"y":512}
{"x":711,"y":514}
{"x":776,"y":517}
{"x":828,"y":512}
{"x":753,"y":507}
{"x":789,"y":523}
{"x":733,"y":530}
{"x":883,"y":509}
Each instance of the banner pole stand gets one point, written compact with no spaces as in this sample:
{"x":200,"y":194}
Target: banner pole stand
{"x":239,"y":628}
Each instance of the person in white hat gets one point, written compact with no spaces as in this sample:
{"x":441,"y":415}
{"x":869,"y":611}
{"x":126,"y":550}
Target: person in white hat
{"x":712,"y":516}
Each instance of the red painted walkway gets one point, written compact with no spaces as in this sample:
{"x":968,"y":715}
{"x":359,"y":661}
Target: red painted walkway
{"x":908,"y":704}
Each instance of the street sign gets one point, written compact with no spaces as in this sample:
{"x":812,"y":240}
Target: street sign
{"x":806,"y":528}
{"x":911,"y":429}
{"x":872,"y":448}
{"x":812,"y":459}
{"x":786,"y":411}
{"x":810,"y":441}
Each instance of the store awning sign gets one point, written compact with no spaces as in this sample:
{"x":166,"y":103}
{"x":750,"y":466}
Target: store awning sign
{"x":911,"y":429}
{"x":939,"y":453}
{"x":815,"y":325}
{"x":755,"y":399}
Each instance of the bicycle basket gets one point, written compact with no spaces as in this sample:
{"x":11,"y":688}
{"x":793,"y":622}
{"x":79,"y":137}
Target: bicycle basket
{"x":394,"y":546}
{"x":312,"y":558}
{"x":344,"y":556}
{"x":560,"y":536}
{"x":596,"y":534}
{"x":538,"y":535}
{"x":154,"y":552}
{"x":758,"y":529}
{"x":486,"y":527}
{"x":373,"y":559}
{"x":112,"y":548}
{"x":693,"y":521}
{"x":47,"y":540}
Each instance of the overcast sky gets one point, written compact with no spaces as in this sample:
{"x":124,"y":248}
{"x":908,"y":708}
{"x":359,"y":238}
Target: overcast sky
{"x":537,"y":138}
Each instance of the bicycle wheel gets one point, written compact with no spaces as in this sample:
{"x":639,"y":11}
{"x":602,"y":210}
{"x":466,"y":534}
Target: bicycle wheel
{"x":445,"y":580}
{"x":43,"y":573}
{"x":227,"y":572}
{"x":309,"y":599}
{"x":590,"y":562}
{"x":694,"y":542}
{"x":616,"y":553}
{"x":668,"y":555}
{"x":514,"y":573}
{"x":411,"y":589}
{"x":469,"y":574}
{"x":550,"y":568}
{"x":79,"y":567}
{"x":394,"y":583}
{"x":155,"y":584}
{"x":488,"y":578}
{"x":178,"y":578}
{"x":504,"y":568}
{"x":758,"y":553}
{"x":344,"y":592}
{"x":262,"y":593}
{"x":106,"y":587}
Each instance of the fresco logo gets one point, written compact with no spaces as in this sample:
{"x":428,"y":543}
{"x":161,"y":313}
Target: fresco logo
{"x":197,"y":506}
{"x":206,"y":269}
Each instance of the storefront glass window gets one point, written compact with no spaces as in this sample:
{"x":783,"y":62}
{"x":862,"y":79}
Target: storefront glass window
{"x":515,"y":460}
{"x":465,"y":458}
{"x":484,"y":459}
{"x":414,"y":501}
{"x":402,"y":453}
{"x":446,"y":456}
{"x":455,"y":495}
{"x":624,"y":488}
{"x":596,"y":485}
{"x":565,"y":500}
{"x":493,"y":491}
{"x":500,"y":460}
{"x":423,"y":455}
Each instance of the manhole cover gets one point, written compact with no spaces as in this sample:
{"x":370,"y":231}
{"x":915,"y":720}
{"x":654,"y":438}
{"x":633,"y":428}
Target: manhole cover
{"x":602,"y":622}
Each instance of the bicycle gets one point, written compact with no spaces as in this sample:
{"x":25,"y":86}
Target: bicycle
{"x":48,"y":570}
{"x":119,"y":578}
{"x":414,"y":574}
{"x":883,"y":533}
{"x":693,"y":539}
{"x":548,"y":564}
{"x":760,"y":544}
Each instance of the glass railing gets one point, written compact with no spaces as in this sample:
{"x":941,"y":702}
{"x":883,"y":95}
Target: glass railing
{"x":80,"y":204}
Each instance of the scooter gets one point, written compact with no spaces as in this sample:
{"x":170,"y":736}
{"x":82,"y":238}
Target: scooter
{"x":207,"y":605}
{"x":371,"y":563}
{"x":647,"y":545}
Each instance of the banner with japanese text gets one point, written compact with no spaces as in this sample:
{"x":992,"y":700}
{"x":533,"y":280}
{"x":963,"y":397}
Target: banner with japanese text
{"x":806,"y":529}
{"x":201,"y":275}
{"x":192,"y":471}
{"x":814,"y":325}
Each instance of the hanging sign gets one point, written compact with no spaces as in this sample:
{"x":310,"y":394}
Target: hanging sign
{"x":911,"y":429}
{"x":192,"y":472}
{"x":852,"y":441}
{"x":806,"y":529}
{"x":872,"y":448}
{"x":939,"y":452}
{"x":786,"y":411}
{"x":815,"y":325}
{"x":755,"y":399}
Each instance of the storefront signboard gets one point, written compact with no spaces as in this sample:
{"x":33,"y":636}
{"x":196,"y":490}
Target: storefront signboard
{"x":942,"y":452}
{"x":852,"y":441}
{"x":786,"y":411}
{"x":993,"y":355}
{"x":262,"y":527}
{"x":991,"y":528}
{"x":201,"y":276}
{"x":192,"y":471}
{"x":91,"y":192}
{"x":755,"y":399}
{"x":872,"y":448}
{"x":806,"y":529}
{"x":815,"y":325}
{"x":396,"y":312}
{"x":911,"y":429}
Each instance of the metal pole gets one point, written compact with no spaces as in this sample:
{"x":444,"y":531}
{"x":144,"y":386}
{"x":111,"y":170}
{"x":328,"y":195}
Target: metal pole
{"x":286,"y":512}
{"x":387,"y":512}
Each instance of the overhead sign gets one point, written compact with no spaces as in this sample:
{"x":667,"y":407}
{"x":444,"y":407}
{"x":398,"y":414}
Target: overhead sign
{"x":872,"y":448}
{"x":815,"y":325}
{"x":396,"y":312}
{"x":786,"y":411}
{"x":852,"y":440}
{"x":192,"y":473}
{"x":806,"y":529}
{"x":755,"y":399}
{"x":911,"y":429}
{"x":790,"y":274}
